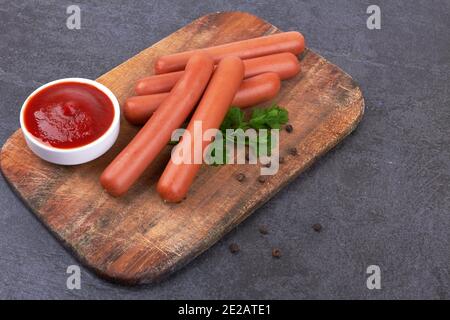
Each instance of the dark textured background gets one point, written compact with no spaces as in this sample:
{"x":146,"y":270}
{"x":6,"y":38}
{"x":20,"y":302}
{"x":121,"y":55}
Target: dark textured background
{"x":382,"y":196}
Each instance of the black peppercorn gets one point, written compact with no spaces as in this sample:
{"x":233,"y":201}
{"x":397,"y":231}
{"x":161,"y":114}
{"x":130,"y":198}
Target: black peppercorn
{"x":263,"y":230}
{"x":262,"y":179}
{"x":289,"y":128}
{"x":276,"y":253}
{"x":234,"y":248}
{"x":293,"y":151}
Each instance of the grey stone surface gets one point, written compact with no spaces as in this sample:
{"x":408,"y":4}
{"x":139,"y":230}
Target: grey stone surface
{"x":382,"y":196}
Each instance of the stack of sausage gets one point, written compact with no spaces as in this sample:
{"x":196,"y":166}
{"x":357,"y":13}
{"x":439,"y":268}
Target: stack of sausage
{"x":212,"y":79}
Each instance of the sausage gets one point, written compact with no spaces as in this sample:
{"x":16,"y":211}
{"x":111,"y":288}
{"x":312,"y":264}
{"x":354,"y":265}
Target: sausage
{"x":177,"y":178}
{"x":137,"y":110}
{"x":285,"y":64}
{"x":157,"y":84}
{"x":257,"y":89}
{"x":254,"y":90}
{"x":293,"y":42}
{"x":126,"y":168}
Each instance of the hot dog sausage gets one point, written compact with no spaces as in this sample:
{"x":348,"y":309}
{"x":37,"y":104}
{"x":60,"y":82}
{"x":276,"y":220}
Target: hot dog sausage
{"x":285,"y":64}
{"x":281,"y":42}
{"x":257,"y":89}
{"x":157,"y":84}
{"x":138,"y":109}
{"x":254,"y":90}
{"x":126,"y":168}
{"x":177,"y":178}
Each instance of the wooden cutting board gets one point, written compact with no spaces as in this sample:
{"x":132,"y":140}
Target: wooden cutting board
{"x":138,"y":238}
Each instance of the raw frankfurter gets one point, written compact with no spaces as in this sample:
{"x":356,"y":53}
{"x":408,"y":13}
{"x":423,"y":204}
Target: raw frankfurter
{"x":281,"y":42}
{"x":177,"y":178}
{"x":257,"y":89}
{"x":285,"y":64}
{"x":157,"y":84}
{"x":126,"y":168}
{"x":138,"y":109}
{"x":254,"y":90}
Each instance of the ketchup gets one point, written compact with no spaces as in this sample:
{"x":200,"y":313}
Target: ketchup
{"x":69,"y":114}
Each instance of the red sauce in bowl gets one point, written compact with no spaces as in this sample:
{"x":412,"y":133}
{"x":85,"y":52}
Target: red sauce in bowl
{"x":68,"y":114}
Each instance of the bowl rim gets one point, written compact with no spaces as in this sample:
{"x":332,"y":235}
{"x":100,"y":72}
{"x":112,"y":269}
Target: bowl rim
{"x":115,"y":122}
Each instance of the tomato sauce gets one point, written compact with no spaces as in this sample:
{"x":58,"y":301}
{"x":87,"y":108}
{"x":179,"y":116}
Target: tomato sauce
{"x":69,"y":114}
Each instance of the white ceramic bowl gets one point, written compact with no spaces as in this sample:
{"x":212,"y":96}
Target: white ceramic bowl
{"x":81,"y":154}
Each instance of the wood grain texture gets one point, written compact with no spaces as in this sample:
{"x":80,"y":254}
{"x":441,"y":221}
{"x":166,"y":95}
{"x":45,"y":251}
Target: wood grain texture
{"x":138,"y":238}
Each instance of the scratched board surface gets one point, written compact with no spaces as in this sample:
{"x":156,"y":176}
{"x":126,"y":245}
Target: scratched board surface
{"x":140,"y":239}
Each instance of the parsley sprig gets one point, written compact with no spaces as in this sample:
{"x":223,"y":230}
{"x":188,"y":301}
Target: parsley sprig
{"x":269,"y":118}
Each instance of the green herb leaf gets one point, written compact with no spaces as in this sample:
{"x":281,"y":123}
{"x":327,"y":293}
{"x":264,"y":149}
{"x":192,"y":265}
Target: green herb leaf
{"x":233,"y":120}
{"x":269,"y":118}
